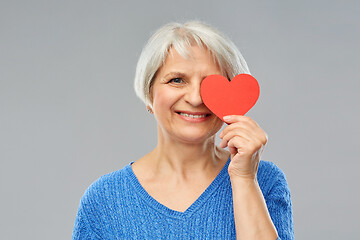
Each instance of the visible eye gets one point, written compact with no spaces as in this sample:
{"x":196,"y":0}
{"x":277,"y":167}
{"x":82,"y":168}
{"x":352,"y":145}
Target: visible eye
{"x":176,"y":80}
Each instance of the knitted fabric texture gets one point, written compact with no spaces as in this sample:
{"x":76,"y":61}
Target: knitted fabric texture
{"x":116,"y":206}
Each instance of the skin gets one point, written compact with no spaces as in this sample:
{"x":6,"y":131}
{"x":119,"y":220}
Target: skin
{"x":186,"y":159}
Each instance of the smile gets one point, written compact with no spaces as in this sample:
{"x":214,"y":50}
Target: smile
{"x":192,"y":116}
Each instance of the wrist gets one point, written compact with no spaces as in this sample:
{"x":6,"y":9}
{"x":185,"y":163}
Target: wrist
{"x":243,"y":177}
{"x":241,"y":182}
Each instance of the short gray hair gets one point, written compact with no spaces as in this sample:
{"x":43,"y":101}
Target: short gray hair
{"x":181,"y":37}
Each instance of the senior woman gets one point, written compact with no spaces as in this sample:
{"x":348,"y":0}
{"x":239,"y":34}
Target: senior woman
{"x":187,"y":187}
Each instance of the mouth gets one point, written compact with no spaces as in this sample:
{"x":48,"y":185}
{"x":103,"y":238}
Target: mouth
{"x":194,"y":115}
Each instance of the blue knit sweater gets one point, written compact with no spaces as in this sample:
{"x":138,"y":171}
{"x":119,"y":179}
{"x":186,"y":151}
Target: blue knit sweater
{"x":116,"y":206}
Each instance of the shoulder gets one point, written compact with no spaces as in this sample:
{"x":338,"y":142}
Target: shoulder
{"x":270,"y":177}
{"x":269,"y":168}
{"x":99,"y":203}
{"x":107,"y":186}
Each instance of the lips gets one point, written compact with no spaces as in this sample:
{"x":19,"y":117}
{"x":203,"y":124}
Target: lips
{"x":193,"y":116}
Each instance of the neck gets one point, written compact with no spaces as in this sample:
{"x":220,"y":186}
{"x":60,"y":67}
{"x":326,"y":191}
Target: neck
{"x":183,"y":158}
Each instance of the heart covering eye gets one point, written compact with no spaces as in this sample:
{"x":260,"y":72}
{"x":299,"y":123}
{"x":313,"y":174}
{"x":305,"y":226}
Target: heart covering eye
{"x":224,"y":97}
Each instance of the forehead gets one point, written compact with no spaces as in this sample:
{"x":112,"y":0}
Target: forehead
{"x":197,"y":59}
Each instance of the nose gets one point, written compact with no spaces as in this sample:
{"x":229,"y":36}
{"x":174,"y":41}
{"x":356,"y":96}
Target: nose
{"x":193,"y":96}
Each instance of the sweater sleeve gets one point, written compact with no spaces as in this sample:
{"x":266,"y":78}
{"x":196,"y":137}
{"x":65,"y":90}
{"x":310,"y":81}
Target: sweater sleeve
{"x":279,"y":204}
{"x":82,"y":229}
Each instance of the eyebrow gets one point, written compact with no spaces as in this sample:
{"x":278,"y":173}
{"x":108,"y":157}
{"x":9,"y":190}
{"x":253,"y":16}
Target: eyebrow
{"x":182,"y":75}
{"x":175,"y":74}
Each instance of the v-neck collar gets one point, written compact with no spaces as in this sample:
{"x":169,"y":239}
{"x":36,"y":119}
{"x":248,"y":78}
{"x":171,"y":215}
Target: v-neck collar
{"x":170,"y":212}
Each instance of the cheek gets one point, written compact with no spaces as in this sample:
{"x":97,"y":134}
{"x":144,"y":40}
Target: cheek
{"x":218,"y":124}
{"x":162,"y":99}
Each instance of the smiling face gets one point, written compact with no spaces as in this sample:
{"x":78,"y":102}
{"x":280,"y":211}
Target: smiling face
{"x":177,"y":104}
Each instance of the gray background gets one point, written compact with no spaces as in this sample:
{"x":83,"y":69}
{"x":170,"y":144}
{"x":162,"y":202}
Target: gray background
{"x":68,"y":112}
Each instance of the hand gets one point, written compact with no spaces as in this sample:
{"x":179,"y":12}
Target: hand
{"x":246,"y":142}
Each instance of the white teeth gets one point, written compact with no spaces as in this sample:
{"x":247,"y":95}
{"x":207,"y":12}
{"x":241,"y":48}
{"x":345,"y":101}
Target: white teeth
{"x":192,"y":116}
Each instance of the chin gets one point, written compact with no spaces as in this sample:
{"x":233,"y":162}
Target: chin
{"x":194,"y":137}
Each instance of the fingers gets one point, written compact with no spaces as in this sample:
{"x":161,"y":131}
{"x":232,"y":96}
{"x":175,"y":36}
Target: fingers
{"x":238,"y":145}
{"x":238,"y":132}
{"x":241,"y":145}
{"x":237,"y":118}
{"x":244,"y":120}
{"x":243,"y":127}
{"x":245,"y":141}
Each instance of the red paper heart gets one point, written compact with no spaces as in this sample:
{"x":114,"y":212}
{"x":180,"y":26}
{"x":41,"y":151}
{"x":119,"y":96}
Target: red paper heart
{"x":224,"y":98}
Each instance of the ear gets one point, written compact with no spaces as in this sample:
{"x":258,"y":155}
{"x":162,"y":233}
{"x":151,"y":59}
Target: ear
{"x":149,"y":109}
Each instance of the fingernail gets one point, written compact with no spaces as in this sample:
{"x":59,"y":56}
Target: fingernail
{"x":227,"y":118}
